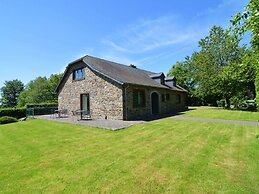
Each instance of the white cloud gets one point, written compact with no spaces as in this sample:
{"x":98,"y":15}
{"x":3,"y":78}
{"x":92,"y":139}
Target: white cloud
{"x":149,"y":34}
{"x":225,"y":5}
{"x":150,"y":41}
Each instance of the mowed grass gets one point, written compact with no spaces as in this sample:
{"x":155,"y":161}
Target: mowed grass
{"x":163,"y":156}
{"x":220,"y":113}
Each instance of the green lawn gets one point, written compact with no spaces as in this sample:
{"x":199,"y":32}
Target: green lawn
{"x":163,"y":156}
{"x":219,"y":113}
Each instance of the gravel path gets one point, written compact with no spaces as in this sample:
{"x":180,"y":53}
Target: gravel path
{"x":236,"y":122}
{"x":106,"y":124}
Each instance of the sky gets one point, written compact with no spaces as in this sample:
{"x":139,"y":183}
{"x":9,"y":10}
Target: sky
{"x":40,"y":37}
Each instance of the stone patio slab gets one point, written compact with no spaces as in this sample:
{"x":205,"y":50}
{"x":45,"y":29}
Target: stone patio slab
{"x":106,"y":124}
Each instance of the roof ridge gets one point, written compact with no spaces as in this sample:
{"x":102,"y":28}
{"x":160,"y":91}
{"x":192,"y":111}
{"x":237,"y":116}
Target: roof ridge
{"x":128,"y":66}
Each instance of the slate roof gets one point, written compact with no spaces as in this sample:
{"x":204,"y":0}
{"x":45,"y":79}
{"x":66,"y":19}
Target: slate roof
{"x":120,"y":73}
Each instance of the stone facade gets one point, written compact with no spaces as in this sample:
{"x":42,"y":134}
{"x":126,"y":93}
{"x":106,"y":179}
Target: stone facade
{"x":168,"y":106}
{"x":105,"y":96}
{"x":110,"y":100}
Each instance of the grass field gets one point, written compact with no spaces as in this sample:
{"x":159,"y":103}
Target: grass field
{"x":163,"y":156}
{"x":219,"y":113}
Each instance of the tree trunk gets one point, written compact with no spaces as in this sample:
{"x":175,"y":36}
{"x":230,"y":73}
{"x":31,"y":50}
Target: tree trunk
{"x":227,"y":103}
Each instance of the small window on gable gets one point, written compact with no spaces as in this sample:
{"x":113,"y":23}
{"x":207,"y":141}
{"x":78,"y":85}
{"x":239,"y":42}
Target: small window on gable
{"x":139,"y":98}
{"x":78,"y":74}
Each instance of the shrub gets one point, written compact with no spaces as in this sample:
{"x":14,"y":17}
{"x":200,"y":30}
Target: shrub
{"x":7,"y":119}
{"x":13,"y":112}
{"x":44,"y":105}
{"x":221,"y":103}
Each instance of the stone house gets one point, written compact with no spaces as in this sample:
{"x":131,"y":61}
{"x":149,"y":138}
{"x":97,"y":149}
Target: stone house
{"x":114,"y":91}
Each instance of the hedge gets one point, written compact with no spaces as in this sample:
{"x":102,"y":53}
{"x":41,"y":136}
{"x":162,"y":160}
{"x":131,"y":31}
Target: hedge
{"x":44,"y":105}
{"x":11,"y":112}
{"x":7,"y":119}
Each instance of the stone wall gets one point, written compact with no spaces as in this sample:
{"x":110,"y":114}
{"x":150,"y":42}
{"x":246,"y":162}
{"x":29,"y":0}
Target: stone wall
{"x":168,"y":107}
{"x":106,"y":97}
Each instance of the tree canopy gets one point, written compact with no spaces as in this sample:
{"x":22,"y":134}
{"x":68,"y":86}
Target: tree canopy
{"x":40,"y":90}
{"x":220,"y":70}
{"x":249,"y":21}
{"x":10,"y":92}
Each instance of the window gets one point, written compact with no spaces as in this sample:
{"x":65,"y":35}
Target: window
{"x":78,"y":74}
{"x":163,"y":97}
{"x":167,"y":97}
{"x":138,"y":98}
{"x":178,"y":98}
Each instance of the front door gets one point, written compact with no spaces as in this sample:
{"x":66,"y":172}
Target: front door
{"x":85,"y":105}
{"x":155,"y":103}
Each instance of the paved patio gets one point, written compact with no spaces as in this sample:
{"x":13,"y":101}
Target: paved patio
{"x":106,"y":124}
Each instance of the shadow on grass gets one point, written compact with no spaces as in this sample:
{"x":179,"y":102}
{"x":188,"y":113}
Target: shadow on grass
{"x":157,"y":117}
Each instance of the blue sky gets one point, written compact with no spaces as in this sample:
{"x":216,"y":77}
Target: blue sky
{"x":40,"y":37}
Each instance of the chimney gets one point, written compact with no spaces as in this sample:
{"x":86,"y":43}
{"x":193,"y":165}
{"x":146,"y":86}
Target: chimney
{"x":133,"y":66}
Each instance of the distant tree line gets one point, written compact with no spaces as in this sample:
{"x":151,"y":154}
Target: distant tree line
{"x":223,"y":68}
{"x":40,"y":90}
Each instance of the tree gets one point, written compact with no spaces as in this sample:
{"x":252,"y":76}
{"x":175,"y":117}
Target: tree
{"x":218,"y":50}
{"x":184,"y":75}
{"x":10,"y":92}
{"x":40,"y":90}
{"x":53,"y":82}
{"x":238,"y":81}
{"x":249,"y":21}
{"x":221,"y":69}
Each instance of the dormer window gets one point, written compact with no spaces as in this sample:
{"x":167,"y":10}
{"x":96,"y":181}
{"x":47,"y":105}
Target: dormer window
{"x":170,"y":81}
{"x":158,"y":77}
{"x":78,"y":74}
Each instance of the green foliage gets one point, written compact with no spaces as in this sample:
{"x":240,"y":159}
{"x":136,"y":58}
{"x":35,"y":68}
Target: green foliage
{"x":36,"y":105}
{"x":183,"y":73}
{"x":237,"y":82}
{"x":237,"y":101}
{"x":219,"y":70}
{"x":40,"y":90}
{"x":221,"y":103}
{"x":10,"y":92}
{"x":7,"y":119}
{"x":17,"y":112}
{"x":218,"y":51}
{"x":248,"y":21}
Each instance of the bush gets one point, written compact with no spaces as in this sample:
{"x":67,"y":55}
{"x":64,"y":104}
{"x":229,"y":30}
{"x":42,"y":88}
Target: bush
{"x":44,"y":105}
{"x":7,"y":119}
{"x":13,"y":112}
{"x":221,"y":103}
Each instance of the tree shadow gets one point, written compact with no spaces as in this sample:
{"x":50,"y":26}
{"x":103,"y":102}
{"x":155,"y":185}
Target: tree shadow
{"x":162,"y":116}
